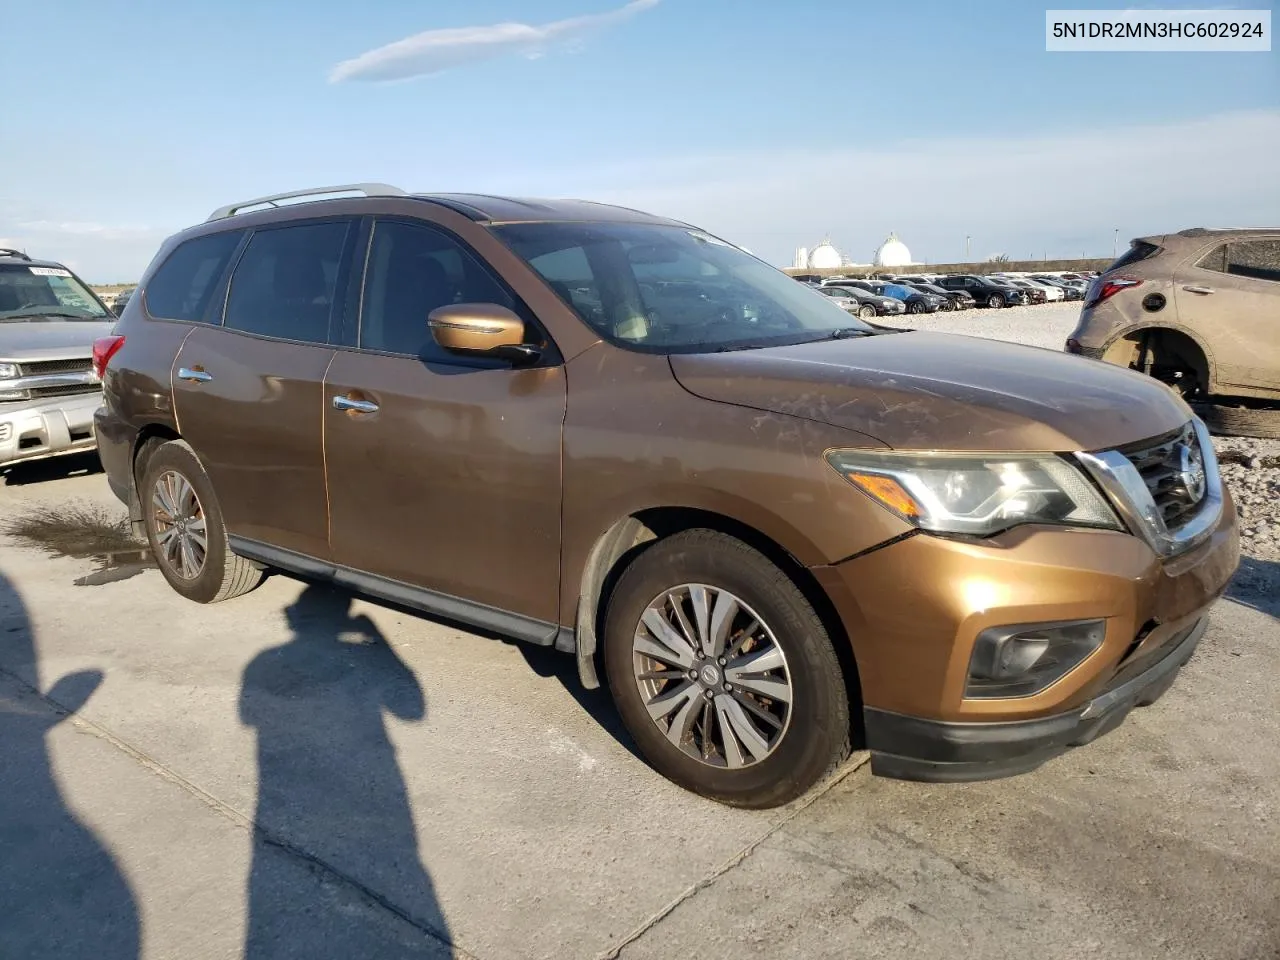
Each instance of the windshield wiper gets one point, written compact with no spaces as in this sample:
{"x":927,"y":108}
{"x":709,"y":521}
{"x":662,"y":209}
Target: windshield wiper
{"x":50,"y":316}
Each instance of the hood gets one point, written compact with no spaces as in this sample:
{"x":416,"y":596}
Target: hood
{"x":934,"y":391}
{"x":32,"y":340}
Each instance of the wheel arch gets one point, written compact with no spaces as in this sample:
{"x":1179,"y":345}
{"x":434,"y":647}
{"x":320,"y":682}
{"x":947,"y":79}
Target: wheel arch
{"x":149,"y":437}
{"x":628,"y":537}
{"x":1182,"y":341}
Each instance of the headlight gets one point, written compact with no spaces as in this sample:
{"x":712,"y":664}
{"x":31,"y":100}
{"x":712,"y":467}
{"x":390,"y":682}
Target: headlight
{"x":8,"y":371}
{"x":976,"y":495}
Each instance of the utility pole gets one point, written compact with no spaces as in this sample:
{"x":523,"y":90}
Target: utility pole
{"x":1115,"y":243}
{"x":966,"y":248}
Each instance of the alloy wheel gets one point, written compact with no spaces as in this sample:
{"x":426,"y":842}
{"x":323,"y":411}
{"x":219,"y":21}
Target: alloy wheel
{"x":712,"y":676}
{"x":180,"y":529}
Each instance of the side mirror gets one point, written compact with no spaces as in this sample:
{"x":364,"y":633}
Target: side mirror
{"x":481,"y":330}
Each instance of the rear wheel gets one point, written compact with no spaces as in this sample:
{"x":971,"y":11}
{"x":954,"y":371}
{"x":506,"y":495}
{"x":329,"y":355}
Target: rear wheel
{"x":185,"y":530}
{"x":995,"y":301}
{"x":723,"y":673}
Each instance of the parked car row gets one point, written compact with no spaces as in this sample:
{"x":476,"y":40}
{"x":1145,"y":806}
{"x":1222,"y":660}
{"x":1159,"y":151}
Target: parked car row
{"x":928,"y":293}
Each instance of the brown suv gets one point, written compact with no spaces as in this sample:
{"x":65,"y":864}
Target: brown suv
{"x":776,"y":526}
{"x":1199,"y":310}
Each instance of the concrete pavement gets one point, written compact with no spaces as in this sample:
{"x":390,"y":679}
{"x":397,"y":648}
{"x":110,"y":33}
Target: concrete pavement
{"x":301,"y":774}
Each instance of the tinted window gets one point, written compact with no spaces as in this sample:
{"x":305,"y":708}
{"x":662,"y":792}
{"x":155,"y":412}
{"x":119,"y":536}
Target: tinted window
{"x":1259,"y":259}
{"x":285,"y":282}
{"x":1215,"y":259}
{"x":181,"y":288}
{"x":1138,"y":250}
{"x":412,"y":270}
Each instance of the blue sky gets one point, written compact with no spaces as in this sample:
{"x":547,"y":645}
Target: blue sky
{"x":771,"y":123}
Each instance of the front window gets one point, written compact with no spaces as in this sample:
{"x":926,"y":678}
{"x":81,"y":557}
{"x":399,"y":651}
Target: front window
{"x":33,"y":292}
{"x":669,"y":289}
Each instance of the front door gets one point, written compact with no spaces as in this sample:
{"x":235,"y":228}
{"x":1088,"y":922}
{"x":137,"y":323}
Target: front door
{"x":1230,"y":298}
{"x":249,"y":394}
{"x":444,"y":474}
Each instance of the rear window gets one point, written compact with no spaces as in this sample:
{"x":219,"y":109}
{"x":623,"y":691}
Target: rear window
{"x":1259,"y":259}
{"x":285,"y":283}
{"x":1138,"y":250}
{"x":181,"y":288}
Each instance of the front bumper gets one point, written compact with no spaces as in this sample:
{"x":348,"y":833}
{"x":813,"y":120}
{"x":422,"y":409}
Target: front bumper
{"x":911,"y":748}
{"x":33,"y":430}
{"x":913,"y":609}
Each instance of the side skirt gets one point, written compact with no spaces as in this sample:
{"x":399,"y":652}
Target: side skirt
{"x":514,"y":625}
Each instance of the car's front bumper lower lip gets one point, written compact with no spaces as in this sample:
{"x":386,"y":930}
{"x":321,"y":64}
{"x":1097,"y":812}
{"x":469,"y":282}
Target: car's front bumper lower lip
{"x":913,"y":748}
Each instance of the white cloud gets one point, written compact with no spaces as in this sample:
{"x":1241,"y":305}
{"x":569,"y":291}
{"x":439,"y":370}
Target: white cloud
{"x":435,"y":51}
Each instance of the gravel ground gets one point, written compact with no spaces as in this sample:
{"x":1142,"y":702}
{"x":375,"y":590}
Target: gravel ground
{"x":1251,"y":468}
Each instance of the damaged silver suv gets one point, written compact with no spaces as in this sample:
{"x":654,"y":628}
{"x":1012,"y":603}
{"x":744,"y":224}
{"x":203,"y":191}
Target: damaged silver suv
{"x":49,"y":390}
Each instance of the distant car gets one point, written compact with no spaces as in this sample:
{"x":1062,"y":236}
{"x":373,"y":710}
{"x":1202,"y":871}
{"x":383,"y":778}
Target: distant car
{"x":1199,"y":310}
{"x":848,"y":302}
{"x":1033,"y":292}
{"x":1070,"y":291}
{"x":986,"y":291}
{"x":955,"y":299}
{"x":1053,"y":292}
{"x":49,"y":320}
{"x":121,"y":300}
{"x":878,"y":305}
{"x":916,"y":301}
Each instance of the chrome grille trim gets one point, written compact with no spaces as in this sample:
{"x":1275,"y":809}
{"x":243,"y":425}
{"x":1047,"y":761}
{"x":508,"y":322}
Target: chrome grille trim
{"x":1122,"y":480}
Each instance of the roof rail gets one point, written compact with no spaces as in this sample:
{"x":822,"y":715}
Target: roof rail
{"x":9,"y":252}
{"x":367,"y":189}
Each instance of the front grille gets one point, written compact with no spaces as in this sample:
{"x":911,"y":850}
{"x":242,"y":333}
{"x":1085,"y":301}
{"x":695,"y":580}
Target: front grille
{"x":70,"y":390}
{"x":40,"y":368}
{"x":1160,"y":463}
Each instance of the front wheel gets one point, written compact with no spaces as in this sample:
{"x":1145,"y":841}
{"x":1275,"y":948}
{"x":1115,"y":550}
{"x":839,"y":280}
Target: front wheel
{"x":185,"y":530}
{"x":995,"y":301}
{"x":723,"y":673}
{"x":916,"y":306}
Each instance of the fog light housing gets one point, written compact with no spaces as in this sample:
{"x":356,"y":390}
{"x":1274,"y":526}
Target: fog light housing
{"x":1023,"y":659}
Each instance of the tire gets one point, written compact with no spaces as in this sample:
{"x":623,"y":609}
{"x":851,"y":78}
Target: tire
{"x":916,"y":306}
{"x":867,"y":312}
{"x":995,"y":301}
{"x":813,"y":736}
{"x":1239,"y":421}
{"x":220,"y":574}
{"x":947,"y":306}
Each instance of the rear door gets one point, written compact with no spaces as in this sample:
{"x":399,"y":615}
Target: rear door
{"x":446,"y":477}
{"x":249,"y":393}
{"x":1230,"y":298}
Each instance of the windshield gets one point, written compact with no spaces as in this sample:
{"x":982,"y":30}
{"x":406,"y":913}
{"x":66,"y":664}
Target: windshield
{"x":34,"y":291}
{"x":670,"y":289}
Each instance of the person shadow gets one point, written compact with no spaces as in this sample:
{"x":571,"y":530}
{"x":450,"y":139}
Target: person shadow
{"x":61,"y":892}
{"x":336,"y":870}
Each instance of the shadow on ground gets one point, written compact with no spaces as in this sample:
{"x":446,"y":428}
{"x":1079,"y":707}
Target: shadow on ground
{"x":331,"y":797}
{"x":62,"y":894}
{"x":54,"y":468}
{"x":1257,"y":585}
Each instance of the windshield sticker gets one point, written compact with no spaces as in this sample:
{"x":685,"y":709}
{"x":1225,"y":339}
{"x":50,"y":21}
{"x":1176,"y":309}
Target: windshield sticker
{"x":707,"y":238}
{"x":50,"y":272}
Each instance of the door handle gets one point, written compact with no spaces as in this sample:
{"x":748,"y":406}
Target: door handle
{"x":196,"y":374}
{"x":1203,"y":291}
{"x":359,"y":406}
